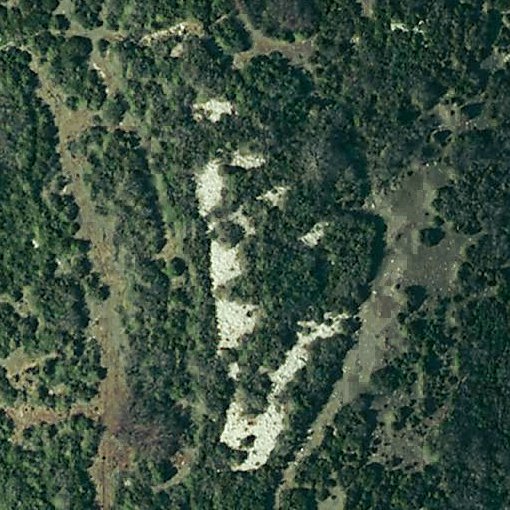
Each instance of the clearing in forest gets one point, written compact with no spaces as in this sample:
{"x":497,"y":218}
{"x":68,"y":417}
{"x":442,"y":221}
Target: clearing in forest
{"x":298,"y":52}
{"x":234,"y":319}
{"x":406,"y":209}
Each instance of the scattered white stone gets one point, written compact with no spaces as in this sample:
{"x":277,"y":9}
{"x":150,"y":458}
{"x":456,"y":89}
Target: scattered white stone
{"x":244,"y":221}
{"x":313,"y":237}
{"x":178,"y":30}
{"x":233,"y":370}
{"x":177,"y":51}
{"x":297,"y":357}
{"x":234,"y":321}
{"x":275,"y":196}
{"x":210,"y":186}
{"x":99,"y":71}
{"x":267,"y":426}
{"x":398,"y":25}
{"x":247,"y":161}
{"x":225,"y":264}
{"x":212,"y":110}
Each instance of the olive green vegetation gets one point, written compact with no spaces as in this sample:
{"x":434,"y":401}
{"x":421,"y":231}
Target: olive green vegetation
{"x":374,"y":103}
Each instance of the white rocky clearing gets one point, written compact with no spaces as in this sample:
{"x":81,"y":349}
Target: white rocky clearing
{"x":178,"y":30}
{"x":396,"y":26}
{"x":267,"y":426}
{"x":210,"y":184}
{"x":225,"y":264}
{"x":316,"y":233}
{"x":209,"y":188}
{"x":275,"y":196}
{"x":247,"y":160}
{"x":212,"y":109}
{"x":234,"y":319}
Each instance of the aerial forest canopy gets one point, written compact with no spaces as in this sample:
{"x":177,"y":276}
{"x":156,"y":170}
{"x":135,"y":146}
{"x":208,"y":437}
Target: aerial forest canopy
{"x":255,"y":254}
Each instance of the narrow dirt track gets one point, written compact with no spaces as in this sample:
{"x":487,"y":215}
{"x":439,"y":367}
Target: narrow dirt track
{"x":112,"y":402}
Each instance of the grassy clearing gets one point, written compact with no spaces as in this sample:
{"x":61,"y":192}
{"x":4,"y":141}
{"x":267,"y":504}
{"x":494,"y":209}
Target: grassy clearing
{"x":109,"y":68}
{"x":107,"y":328}
{"x":298,"y":52}
{"x":111,"y":405}
{"x":335,"y":502}
{"x":174,"y":236}
{"x":66,"y":7}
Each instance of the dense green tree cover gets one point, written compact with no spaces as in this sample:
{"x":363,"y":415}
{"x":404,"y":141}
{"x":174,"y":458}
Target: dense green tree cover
{"x":369,"y":113}
{"x":115,"y":108}
{"x":157,"y":14}
{"x":389,"y":79}
{"x":69,"y":67}
{"x":275,"y":92}
{"x":285,"y":19}
{"x":431,"y":236}
{"x":477,"y":156}
{"x":8,"y":394}
{"x":24,"y":19}
{"x":231,"y":34}
{"x":88,"y":12}
{"x":42,"y":267}
{"x":391,"y":87}
{"x":299,"y":498}
{"x":15,"y":329}
{"x":50,"y":469}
